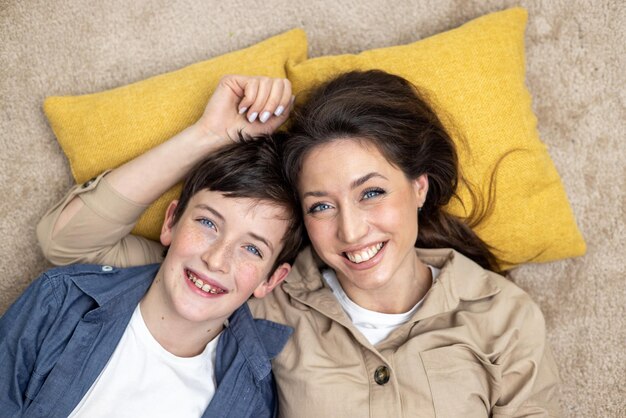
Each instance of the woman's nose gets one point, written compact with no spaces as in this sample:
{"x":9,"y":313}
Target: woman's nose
{"x":352,"y":226}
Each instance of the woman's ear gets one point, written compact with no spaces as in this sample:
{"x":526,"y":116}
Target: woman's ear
{"x":274,"y":280}
{"x":168,"y":224}
{"x":420,"y":187}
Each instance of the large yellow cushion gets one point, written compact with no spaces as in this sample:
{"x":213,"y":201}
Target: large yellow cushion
{"x":104,"y":130}
{"x":475,"y":74}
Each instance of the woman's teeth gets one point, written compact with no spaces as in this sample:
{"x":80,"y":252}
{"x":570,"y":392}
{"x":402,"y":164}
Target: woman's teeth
{"x":205,"y":287}
{"x":365,"y":254}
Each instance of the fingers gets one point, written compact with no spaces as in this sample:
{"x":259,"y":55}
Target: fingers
{"x":265,"y":98}
{"x":250,"y":88}
{"x":285,"y":100}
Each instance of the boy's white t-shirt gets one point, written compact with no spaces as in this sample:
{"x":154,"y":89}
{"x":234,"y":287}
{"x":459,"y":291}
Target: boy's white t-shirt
{"x":375,"y":326}
{"x":143,"y":379}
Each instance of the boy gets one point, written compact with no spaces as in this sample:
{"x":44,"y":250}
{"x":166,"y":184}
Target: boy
{"x":174,"y":339}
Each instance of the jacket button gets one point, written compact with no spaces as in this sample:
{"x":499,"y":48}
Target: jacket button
{"x":88,"y":183}
{"x":381,"y":375}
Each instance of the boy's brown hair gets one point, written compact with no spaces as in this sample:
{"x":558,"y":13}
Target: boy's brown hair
{"x":250,"y":168}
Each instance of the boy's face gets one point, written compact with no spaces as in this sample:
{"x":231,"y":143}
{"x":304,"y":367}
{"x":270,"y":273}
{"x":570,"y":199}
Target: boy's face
{"x":221,"y":251}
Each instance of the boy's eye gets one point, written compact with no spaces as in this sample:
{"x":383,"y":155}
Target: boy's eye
{"x":254,"y":250}
{"x":319,"y":207}
{"x":370,"y":193}
{"x":207,"y":222}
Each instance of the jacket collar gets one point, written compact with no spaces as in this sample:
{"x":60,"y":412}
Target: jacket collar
{"x":116,"y":291}
{"x":460,"y":279}
{"x":258,"y":340}
{"x":305,"y":284}
{"x":306,"y":271}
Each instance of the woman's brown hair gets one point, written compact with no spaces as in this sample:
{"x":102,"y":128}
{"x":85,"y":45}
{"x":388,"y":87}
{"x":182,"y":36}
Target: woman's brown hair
{"x":390,"y":113}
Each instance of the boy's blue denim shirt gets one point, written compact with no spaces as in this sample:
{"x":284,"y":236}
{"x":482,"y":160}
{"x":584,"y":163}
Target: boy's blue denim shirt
{"x":58,"y":336}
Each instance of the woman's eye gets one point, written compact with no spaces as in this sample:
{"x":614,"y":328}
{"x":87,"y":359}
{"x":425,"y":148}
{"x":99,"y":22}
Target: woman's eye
{"x":368,"y":194}
{"x":254,"y":250}
{"x":319,"y":207}
{"x":207,"y":222}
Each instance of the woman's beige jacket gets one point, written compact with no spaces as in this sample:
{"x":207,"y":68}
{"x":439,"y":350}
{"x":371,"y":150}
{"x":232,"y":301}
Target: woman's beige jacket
{"x":475,"y":348}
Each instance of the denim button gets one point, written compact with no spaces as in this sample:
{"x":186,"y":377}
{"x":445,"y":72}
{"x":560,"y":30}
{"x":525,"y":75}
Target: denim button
{"x":107,"y":268}
{"x":381,"y":375}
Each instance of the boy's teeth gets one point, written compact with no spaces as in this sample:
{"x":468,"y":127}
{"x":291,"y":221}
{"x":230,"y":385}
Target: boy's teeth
{"x":365,"y":254}
{"x":205,"y":287}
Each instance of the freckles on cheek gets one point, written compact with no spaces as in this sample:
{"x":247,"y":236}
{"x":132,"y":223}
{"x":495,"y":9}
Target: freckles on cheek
{"x":249,"y":276}
{"x":190,"y":242}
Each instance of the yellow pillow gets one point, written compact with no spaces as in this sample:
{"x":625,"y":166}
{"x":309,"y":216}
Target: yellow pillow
{"x":475,"y":74}
{"x":104,"y":130}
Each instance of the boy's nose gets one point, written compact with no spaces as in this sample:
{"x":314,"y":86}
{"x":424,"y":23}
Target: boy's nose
{"x":217,"y":257}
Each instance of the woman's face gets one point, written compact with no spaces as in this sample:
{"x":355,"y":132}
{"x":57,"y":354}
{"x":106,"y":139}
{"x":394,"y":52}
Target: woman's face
{"x":361,"y":215}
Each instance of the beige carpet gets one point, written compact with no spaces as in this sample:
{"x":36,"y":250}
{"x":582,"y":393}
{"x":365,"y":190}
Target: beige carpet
{"x":575,"y":62}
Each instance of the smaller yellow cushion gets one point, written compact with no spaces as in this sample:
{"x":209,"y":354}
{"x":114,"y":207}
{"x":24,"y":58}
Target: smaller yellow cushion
{"x":104,"y":130}
{"x":475,"y":74}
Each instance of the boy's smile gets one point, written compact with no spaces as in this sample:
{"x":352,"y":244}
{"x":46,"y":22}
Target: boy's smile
{"x":221,"y":251}
{"x":204,"y":284}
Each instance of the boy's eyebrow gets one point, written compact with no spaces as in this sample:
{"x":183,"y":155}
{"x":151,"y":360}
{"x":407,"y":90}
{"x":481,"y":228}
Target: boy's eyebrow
{"x":221,"y":218}
{"x":356,"y":183}
{"x":263,"y":240}
{"x":210,"y":209}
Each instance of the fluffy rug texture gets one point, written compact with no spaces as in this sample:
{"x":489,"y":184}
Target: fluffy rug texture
{"x":575,"y":73}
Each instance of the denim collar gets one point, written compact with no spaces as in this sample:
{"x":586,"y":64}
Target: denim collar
{"x":116,"y":291}
{"x":259,"y":340}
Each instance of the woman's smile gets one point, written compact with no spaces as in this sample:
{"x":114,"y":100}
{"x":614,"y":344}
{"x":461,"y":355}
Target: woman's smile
{"x":365,"y":254}
{"x":361,"y":216}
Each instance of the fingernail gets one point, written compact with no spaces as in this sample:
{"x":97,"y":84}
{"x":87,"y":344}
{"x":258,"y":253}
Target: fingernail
{"x":279,"y":111}
{"x":265,"y":116}
{"x":242,"y":110}
{"x":252,"y":117}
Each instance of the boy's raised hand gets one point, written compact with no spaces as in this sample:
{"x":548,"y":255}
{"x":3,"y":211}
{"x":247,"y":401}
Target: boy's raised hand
{"x":254,"y":105}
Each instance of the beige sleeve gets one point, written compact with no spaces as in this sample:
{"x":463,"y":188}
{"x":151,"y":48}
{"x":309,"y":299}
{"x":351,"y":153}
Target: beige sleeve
{"x":98,"y":233}
{"x":530,"y":380}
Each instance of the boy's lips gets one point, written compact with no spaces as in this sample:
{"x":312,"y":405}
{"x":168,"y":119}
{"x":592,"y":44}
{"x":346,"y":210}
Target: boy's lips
{"x":204,"y":284}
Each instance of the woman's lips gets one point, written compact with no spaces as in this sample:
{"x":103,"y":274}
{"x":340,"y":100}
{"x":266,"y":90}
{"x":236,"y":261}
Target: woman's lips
{"x":376,"y":250}
{"x":364,"y":254}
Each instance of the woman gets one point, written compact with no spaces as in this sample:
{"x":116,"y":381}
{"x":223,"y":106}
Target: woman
{"x":381,"y":328}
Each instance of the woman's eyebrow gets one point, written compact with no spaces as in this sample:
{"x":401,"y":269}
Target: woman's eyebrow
{"x":361,"y":180}
{"x":356,"y":183}
{"x":315,"y":194}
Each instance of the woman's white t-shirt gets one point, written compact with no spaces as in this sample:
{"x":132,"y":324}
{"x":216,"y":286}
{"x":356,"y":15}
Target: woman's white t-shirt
{"x":375,"y":326}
